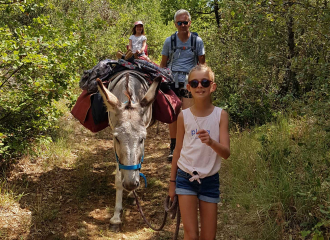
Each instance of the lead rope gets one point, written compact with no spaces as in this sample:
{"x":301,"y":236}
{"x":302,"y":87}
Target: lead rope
{"x":169,"y":207}
{"x":174,"y":209}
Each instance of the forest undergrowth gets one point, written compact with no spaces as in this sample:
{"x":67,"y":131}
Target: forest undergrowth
{"x":275,"y":185}
{"x":272,"y":65}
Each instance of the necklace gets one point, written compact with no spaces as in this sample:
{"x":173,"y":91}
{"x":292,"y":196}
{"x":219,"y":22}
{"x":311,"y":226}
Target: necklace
{"x":199,"y":128}
{"x":195,"y":173}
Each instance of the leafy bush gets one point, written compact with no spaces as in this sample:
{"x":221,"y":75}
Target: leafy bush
{"x":281,"y":172}
{"x":266,"y":56}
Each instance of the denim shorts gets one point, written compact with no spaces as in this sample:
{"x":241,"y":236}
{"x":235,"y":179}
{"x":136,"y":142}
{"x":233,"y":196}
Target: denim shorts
{"x":207,"y":191}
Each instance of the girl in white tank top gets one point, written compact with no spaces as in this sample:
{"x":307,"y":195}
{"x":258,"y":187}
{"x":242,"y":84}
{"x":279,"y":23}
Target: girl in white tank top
{"x":202,"y":140}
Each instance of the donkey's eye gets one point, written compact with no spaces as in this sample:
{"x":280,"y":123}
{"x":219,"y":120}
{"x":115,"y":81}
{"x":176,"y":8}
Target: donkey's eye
{"x":117,"y":139}
{"x":141,"y":140}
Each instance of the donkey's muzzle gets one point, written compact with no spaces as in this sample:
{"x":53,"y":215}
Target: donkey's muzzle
{"x":131,"y":185}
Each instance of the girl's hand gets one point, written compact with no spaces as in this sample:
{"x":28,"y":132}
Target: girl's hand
{"x":171,"y":191}
{"x":205,"y":137}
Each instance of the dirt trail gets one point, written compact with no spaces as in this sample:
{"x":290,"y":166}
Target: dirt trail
{"x":76,"y":199}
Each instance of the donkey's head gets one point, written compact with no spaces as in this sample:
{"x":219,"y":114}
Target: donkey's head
{"x":129,"y":130}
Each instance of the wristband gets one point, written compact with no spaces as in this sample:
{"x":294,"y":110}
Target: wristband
{"x":172,"y":181}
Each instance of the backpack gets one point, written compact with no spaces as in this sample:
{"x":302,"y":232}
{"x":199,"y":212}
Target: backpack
{"x":193,"y":46}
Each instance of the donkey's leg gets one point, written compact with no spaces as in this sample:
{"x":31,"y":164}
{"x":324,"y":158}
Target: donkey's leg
{"x":115,"y":221}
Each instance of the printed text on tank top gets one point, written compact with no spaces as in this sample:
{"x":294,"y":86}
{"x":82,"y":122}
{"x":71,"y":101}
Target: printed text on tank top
{"x":194,"y":134}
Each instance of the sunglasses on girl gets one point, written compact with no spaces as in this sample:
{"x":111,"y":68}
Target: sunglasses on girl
{"x":182,"y":22}
{"x":204,"y":82}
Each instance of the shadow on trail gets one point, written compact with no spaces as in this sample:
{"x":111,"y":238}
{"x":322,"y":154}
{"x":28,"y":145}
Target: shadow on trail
{"x":61,"y":199}
{"x":77,"y":202}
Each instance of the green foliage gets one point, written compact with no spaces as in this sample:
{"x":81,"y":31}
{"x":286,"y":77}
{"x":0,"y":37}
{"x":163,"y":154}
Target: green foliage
{"x":269,"y":57}
{"x":256,"y":72}
{"x":44,"y":47}
{"x":281,"y":172}
{"x":198,"y":9}
{"x":37,"y":67}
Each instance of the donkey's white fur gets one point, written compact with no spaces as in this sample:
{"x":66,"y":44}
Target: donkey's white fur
{"x":130,"y":112}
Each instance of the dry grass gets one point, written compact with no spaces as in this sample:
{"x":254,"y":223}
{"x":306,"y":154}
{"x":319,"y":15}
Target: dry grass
{"x":69,"y":187}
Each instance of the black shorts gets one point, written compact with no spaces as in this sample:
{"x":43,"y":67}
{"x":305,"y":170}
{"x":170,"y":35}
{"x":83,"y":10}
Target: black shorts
{"x":181,"y":91}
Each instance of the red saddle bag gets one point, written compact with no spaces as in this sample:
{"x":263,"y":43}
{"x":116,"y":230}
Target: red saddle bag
{"x":166,"y":107}
{"x":82,"y":111}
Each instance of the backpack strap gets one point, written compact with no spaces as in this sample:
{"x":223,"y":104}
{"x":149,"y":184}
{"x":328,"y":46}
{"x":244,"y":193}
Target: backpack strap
{"x":193,"y":47}
{"x":172,"y":50}
{"x":193,"y":41}
{"x":173,"y":42}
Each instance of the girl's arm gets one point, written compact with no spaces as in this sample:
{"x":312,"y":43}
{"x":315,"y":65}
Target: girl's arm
{"x":176,"y":154}
{"x":144,"y":43}
{"x":130,"y":46}
{"x":223,"y":146}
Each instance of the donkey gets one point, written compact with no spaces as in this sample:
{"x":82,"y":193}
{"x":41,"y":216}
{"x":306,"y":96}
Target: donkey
{"x":128,"y":100}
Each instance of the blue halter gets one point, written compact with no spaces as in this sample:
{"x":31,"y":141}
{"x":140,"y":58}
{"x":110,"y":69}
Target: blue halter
{"x":132,"y":167}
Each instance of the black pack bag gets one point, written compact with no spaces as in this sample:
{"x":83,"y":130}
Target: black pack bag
{"x":103,"y":70}
{"x":99,"y":111}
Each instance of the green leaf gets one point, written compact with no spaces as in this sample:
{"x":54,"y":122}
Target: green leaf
{"x":305,"y":233}
{"x":21,"y":8}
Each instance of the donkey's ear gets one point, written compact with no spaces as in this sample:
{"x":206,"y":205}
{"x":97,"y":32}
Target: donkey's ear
{"x":150,"y":96}
{"x":111,"y":101}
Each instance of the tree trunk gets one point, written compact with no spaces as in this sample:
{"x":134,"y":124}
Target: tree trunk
{"x":290,"y":82}
{"x":216,"y":11}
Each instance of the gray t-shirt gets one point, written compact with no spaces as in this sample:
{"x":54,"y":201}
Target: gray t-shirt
{"x":137,"y":42}
{"x":183,"y":60}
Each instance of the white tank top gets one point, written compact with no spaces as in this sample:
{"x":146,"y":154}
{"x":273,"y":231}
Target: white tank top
{"x":196,"y":156}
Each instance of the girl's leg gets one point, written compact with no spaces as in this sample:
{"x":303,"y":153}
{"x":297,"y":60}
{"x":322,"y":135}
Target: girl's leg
{"x":188,"y":209}
{"x":208,"y":218}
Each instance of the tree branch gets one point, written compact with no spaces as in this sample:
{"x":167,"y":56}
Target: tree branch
{"x":204,"y":12}
{"x":12,"y":75}
{"x":12,"y":2}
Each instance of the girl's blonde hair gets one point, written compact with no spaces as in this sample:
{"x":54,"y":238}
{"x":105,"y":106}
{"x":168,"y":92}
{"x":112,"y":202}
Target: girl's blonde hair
{"x":202,"y":67}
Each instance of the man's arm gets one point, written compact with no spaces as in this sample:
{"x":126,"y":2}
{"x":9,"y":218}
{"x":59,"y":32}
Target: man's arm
{"x":201,"y":59}
{"x":200,"y":51}
{"x":163,"y":63}
{"x":165,"y":53}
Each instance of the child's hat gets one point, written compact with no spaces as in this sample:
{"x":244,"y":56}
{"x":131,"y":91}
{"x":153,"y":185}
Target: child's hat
{"x":138,"y":23}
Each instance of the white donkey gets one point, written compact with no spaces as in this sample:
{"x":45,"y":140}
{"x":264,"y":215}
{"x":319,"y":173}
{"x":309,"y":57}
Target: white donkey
{"x":129,"y":103}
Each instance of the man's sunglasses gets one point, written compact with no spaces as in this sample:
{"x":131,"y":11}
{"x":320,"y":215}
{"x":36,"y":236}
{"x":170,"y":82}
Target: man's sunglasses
{"x":205,"y":83}
{"x":182,"y":22}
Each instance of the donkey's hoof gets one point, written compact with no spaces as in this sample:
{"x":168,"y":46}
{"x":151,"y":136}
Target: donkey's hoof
{"x":115,"y":227}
